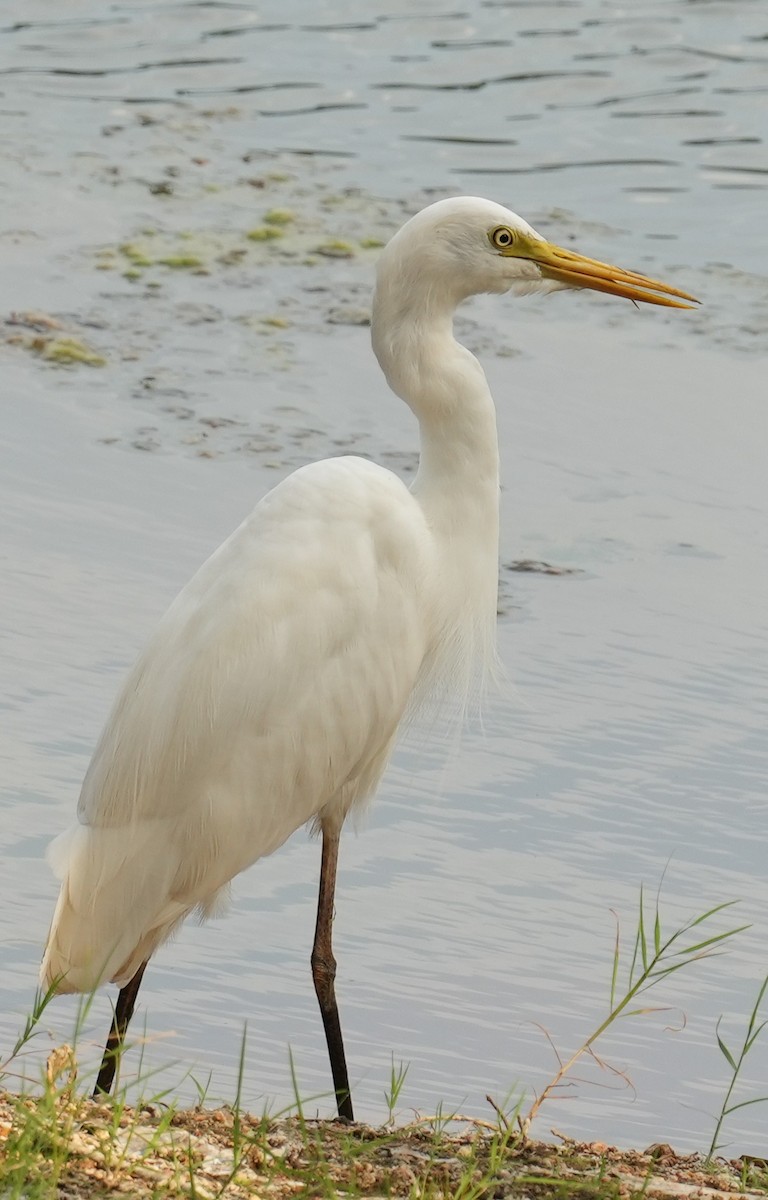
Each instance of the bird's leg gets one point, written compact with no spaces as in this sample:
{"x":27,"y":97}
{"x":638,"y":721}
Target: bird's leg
{"x":123,"y":1012}
{"x":324,"y":971}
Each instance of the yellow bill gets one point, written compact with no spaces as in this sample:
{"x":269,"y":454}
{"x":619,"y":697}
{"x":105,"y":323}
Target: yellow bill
{"x":575,"y":270}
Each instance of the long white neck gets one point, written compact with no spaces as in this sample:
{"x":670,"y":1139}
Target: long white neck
{"x":457,"y":484}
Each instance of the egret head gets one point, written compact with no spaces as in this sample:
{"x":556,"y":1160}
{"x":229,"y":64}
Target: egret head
{"x":465,"y":245}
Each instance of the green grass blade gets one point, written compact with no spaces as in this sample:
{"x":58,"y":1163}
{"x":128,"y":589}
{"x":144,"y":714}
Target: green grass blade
{"x":641,"y":931}
{"x":723,"y":1048}
{"x":751,"y":1040}
{"x":657,"y":932}
{"x":712,"y":941}
{"x":616,"y":961}
{"x":745,"y":1104}
{"x":711,"y":912}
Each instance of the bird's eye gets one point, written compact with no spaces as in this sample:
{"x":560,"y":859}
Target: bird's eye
{"x":502,"y":238}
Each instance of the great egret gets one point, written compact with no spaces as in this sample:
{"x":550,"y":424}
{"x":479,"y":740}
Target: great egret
{"x":272,"y":690}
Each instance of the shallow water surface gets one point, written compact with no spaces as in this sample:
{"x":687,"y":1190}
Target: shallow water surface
{"x":141,"y":144}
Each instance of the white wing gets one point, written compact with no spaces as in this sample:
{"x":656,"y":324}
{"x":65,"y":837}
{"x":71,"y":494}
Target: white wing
{"x":269,"y":694}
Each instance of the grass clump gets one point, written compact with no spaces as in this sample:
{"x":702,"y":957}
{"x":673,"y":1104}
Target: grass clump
{"x":736,"y":1062}
{"x":655,"y":957}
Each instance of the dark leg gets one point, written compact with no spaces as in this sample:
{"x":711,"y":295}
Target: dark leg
{"x":123,"y":1012}
{"x":324,"y":972}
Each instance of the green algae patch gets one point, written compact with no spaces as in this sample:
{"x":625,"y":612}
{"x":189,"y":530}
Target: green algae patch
{"x":286,"y":233}
{"x":279,"y":216}
{"x":135,"y":254}
{"x":68,"y":350}
{"x":140,"y":258}
{"x":335,"y":249}
{"x":48,"y":337}
{"x":264,"y":233}
{"x":181,"y":261}
{"x":198,"y":252}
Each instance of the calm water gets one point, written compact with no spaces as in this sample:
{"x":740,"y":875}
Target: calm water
{"x":631,"y":735}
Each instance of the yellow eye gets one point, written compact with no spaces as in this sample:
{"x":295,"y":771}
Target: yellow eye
{"x":502,"y":237}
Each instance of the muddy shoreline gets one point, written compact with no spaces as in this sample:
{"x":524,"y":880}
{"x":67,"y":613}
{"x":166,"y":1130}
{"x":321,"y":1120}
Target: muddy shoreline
{"x":100,"y":1150}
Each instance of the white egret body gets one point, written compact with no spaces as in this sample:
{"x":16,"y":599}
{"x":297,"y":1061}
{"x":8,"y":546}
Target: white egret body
{"x":272,"y":690}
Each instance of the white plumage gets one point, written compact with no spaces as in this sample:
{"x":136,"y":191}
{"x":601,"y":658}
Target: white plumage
{"x":272,"y":690}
